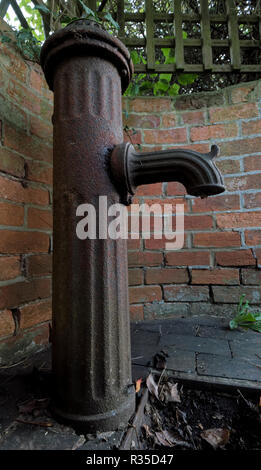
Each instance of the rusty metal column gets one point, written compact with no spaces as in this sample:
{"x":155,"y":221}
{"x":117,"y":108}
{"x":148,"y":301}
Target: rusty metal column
{"x":88,"y":69}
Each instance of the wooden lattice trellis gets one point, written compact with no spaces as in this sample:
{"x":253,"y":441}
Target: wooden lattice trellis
{"x":205,"y":60}
{"x":230,"y":20}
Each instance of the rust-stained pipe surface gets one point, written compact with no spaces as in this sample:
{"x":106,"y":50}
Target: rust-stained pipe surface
{"x":88,"y":70}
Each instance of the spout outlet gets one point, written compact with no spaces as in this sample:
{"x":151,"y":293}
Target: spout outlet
{"x":196,"y":171}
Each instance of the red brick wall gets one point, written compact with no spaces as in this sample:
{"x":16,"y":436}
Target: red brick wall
{"x":25,"y":206}
{"x":222,"y":251}
{"x":223,"y":243}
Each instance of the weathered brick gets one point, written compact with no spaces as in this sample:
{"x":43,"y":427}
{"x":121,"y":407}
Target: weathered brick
{"x":144,"y":259}
{"x":11,"y":163}
{"x":169,"y":120}
{"x":198,"y":101}
{"x":39,"y":265}
{"x":14,"y":295}
{"x":14,"y":191}
{"x":139,"y":121}
{"x":9,"y":267}
{"x":215,"y":276}
{"x":217,"y":239}
{"x":136,"y":313}
{"x":193,"y":117}
{"x":186,"y":293}
{"x":46,"y":110}
{"x":40,"y":128}
{"x":251,"y":127}
{"x":188,"y":258}
{"x":239,"y":220}
{"x":167,"y":309}
{"x":252,"y":200}
{"x":39,"y":218}
{"x":36,"y":80}
{"x":253,"y":237}
{"x":132,"y":136}
{"x":252,"y":163}
{"x":251,"y":276}
{"x":162,"y":136}
{"x":239,"y":94}
{"x":154,"y":244}
{"x":144,"y":294}
{"x":150,"y":105}
{"x":228,"y":166}
{"x":35,"y":313}
{"x":198,"y":222}
{"x":166,"y":276}
{"x":14,"y":64}
{"x":243,"y":182}
{"x":11,"y":214}
{"x":162,"y":201}
{"x":237,"y":111}
{"x":31,"y":146}
{"x":239,"y":147}
{"x":7,"y":326}
{"x":235,"y":258}
{"x":39,"y":172}
{"x":231,"y":294}
{"x":218,"y":131}
{"x":216,"y":203}
{"x":134,"y":244}
{"x":135,"y":277}
{"x":23,"y":96}
{"x":149,"y":190}
{"x":176,"y":189}
{"x":258,"y":256}
{"x":13,"y":113}
{"x":23,"y":242}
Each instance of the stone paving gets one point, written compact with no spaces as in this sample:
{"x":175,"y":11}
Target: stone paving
{"x":200,"y":351}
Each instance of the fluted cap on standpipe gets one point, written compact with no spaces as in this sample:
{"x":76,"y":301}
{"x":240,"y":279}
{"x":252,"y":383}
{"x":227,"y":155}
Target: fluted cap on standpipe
{"x":85,"y":38}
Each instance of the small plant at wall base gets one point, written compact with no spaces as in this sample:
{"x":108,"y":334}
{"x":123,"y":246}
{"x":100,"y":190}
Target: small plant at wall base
{"x":244,"y":318}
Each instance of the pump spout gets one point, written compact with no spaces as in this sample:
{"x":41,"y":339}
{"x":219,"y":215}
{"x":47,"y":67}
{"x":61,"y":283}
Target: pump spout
{"x":196,"y":171}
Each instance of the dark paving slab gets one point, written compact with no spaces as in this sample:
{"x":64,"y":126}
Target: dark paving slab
{"x":224,"y":357}
{"x":31,"y":437}
{"x":196,"y":344}
{"x":248,"y":348}
{"x":181,"y":361}
{"x":216,"y":366}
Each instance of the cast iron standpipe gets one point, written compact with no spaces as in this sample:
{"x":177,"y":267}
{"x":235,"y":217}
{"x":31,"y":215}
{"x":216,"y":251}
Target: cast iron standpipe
{"x":88,"y":69}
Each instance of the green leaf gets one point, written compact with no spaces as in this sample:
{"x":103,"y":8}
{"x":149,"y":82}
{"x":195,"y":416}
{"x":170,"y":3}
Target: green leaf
{"x":233,"y":325}
{"x":42,"y":8}
{"x":87,"y":10}
{"x":135,"y":57}
{"x":174,"y":89}
{"x":160,"y":85}
{"x":110,"y":19}
{"x":166,"y":51}
{"x":147,"y":85}
{"x":187,"y":78}
{"x":165,"y":77}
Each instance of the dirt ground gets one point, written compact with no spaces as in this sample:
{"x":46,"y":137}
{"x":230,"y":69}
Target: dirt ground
{"x":182,"y":418}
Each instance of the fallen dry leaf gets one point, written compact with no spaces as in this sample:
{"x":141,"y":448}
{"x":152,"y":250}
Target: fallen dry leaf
{"x":168,"y":439}
{"x":169,"y":393}
{"x":30,"y":405}
{"x":216,"y":437}
{"x":152,"y":386}
{"x":138,"y":385}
